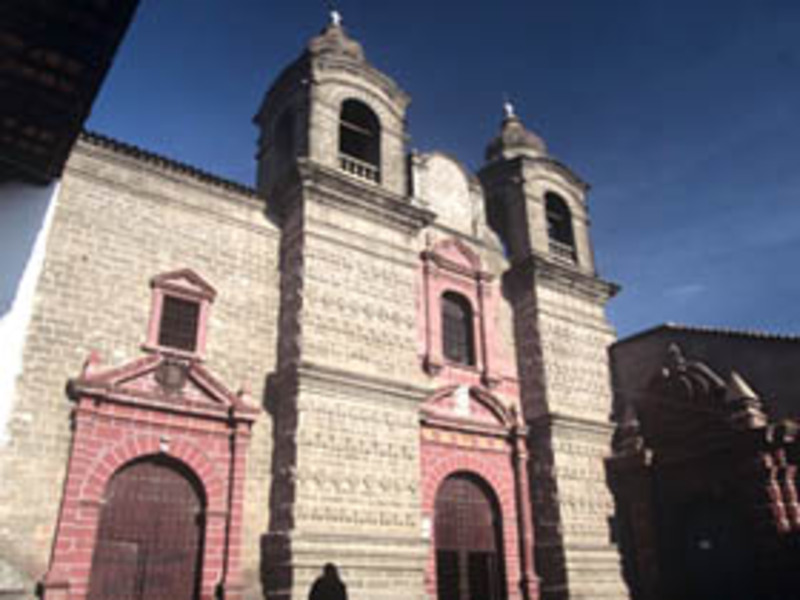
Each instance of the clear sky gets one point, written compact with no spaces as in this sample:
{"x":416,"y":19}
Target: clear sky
{"x":684,"y":115}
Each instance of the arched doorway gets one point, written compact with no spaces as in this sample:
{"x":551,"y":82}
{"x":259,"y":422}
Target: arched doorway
{"x":150,"y":536}
{"x":469,"y":558}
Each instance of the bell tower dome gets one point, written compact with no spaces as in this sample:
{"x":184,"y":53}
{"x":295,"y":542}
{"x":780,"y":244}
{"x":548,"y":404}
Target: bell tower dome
{"x":536,"y":203}
{"x":333,"y":108}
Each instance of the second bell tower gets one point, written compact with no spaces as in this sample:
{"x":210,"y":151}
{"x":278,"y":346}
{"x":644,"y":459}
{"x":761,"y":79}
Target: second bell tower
{"x":539,"y":208}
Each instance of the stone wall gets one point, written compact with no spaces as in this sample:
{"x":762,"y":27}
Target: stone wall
{"x":121,"y":219}
{"x":359,"y":295}
{"x":25,"y":217}
{"x":346,"y":397}
{"x":569,"y":442}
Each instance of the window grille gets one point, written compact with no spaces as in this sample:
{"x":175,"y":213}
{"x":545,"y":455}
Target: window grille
{"x":179,"y":322}
{"x":457,"y":329}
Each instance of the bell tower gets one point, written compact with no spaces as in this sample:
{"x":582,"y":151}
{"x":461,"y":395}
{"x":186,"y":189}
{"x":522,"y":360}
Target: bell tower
{"x":346,"y":389}
{"x":538,"y":207}
{"x":331,"y":107}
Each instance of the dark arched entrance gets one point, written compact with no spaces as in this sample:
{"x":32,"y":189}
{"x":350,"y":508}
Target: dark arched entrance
{"x":150,"y":536}
{"x":469,"y":558}
{"x":704,"y":549}
{"x":716,"y":552}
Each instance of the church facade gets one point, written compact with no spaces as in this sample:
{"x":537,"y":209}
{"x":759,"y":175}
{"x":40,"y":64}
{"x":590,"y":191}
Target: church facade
{"x":372,"y":360}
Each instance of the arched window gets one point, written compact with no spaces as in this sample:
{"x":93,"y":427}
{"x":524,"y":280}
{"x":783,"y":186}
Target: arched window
{"x":457,"y":329}
{"x":559,"y":227}
{"x":359,"y":140}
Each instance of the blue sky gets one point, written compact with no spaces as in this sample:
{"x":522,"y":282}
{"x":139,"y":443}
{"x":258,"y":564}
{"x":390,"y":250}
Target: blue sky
{"x":683,"y":115}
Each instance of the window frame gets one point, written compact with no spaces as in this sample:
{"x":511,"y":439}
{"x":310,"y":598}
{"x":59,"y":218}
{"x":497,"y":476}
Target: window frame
{"x":466,"y":329}
{"x":449,"y":265}
{"x":180,"y":318}
{"x":182,"y":285}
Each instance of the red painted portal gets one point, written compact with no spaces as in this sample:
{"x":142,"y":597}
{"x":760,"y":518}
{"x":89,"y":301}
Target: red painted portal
{"x":474,"y":454}
{"x":495,"y":457}
{"x":157,"y":462}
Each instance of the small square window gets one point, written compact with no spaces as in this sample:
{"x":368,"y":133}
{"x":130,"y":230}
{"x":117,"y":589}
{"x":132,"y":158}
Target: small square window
{"x":179,"y":310}
{"x":179,"y":324}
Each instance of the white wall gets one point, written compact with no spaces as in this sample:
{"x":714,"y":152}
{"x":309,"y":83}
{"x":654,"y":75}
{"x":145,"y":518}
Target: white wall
{"x":25,"y":214}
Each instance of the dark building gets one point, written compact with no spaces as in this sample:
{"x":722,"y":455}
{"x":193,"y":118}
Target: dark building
{"x":704,"y":465}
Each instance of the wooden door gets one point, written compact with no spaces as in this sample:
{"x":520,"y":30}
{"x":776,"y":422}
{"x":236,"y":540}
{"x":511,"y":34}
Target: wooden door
{"x":469,"y":560}
{"x":150,"y":536}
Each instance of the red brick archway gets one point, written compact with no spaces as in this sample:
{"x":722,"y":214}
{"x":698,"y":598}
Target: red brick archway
{"x":127,"y":414}
{"x":136,"y":445}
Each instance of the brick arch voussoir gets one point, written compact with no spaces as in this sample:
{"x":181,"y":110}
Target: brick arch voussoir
{"x":132,"y":447}
{"x":449,"y":465}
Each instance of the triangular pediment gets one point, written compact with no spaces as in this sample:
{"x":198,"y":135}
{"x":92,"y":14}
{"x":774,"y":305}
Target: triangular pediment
{"x":160,"y":380}
{"x":186,"y":281}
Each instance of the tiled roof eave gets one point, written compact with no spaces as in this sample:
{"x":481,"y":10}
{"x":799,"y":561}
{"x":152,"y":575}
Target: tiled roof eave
{"x":168,"y":164}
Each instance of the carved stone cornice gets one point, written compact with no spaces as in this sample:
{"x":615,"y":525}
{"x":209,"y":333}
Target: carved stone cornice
{"x":555,"y":420}
{"x":472,"y":272}
{"x":340,"y":190}
{"x":515,"y":170}
{"x":311,"y":181}
{"x":310,"y":374}
{"x":563,"y":277}
{"x":689,"y":411}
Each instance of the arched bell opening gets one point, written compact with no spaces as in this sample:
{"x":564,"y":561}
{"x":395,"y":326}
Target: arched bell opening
{"x":151,"y":534}
{"x":468,"y":540}
{"x":559,"y":228}
{"x":360,"y":141}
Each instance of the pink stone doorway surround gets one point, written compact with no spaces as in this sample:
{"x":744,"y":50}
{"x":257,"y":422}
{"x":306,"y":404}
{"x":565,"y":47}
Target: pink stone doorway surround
{"x":471,"y":424}
{"x":124,"y":414}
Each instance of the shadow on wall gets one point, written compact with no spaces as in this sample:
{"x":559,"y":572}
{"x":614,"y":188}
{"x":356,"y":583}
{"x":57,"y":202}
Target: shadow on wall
{"x":277,"y":574}
{"x":22,"y":213}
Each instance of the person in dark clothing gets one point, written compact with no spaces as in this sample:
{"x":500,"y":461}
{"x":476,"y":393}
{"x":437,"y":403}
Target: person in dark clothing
{"x":328,"y":586}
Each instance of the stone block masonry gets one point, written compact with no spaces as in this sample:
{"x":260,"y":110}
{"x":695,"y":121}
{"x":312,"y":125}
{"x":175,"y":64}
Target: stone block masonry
{"x":120,"y":220}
